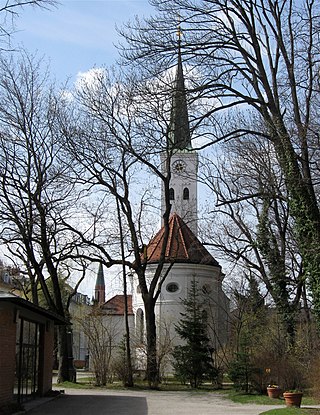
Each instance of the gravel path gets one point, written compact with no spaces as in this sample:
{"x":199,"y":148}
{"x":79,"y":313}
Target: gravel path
{"x":93,"y":402}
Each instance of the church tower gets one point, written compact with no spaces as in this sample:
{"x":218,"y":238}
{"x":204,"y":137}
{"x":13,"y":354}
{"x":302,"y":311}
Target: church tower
{"x":183,"y":159}
{"x":185,"y":258}
{"x":100,"y":289}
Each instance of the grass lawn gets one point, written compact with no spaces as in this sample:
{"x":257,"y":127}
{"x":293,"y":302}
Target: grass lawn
{"x":241,"y":397}
{"x":265,"y":400}
{"x":292,"y":411}
{"x":88,"y":383}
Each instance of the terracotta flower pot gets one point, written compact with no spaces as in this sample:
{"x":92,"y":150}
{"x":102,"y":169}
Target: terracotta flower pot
{"x":293,"y":398}
{"x":274,"y":393}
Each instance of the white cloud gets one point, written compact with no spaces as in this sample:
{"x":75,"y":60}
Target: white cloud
{"x":91,"y":78}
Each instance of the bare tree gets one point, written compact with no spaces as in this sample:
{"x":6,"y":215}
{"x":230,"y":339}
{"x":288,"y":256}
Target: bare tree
{"x":35,"y":196}
{"x":101,"y":330}
{"x":129,"y":372}
{"x":115,"y":143}
{"x":261,"y":55}
{"x":10,"y":10}
{"x":255,"y":231}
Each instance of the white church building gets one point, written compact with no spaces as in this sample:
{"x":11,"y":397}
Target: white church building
{"x":192,"y":261}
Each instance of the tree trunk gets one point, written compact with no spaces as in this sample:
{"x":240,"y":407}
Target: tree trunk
{"x":304,"y":209}
{"x":66,"y":370}
{"x":152,"y":361}
{"x":129,"y":372}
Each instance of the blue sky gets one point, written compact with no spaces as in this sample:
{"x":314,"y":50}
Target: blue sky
{"x":78,"y":34}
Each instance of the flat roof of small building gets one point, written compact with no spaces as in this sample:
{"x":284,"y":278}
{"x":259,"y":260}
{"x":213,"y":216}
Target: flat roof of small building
{"x":6,"y":297}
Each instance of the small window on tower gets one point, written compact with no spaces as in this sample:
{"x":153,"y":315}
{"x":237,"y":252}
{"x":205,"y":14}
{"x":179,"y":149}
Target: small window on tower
{"x":171,"y":193}
{"x":185,"y":193}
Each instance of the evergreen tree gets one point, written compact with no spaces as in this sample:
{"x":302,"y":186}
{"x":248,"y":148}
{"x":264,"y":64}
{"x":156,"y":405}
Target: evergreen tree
{"x":193,"y":360}
{"x":249,"y":327}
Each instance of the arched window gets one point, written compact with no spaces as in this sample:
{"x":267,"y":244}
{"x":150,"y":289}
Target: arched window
{"x":171,"y":193}
{"x":204,"y":315}
{"x":185,"y":193}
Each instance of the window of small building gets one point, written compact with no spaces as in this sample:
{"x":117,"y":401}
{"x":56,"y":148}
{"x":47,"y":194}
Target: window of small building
{"x":6,"y":278}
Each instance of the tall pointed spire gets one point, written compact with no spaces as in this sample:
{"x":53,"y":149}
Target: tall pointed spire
{"x":179,"y":129}
{"x":100,"y":289}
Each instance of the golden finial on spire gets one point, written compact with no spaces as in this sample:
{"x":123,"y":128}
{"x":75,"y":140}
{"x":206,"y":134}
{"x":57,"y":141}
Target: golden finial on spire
{"x":179,"y":30}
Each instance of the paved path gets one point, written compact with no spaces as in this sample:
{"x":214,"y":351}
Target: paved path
{"x":93,"y":402}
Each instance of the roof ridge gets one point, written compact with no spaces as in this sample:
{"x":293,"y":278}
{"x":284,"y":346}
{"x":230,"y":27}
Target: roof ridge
{"x":156,"y":239}
{"x":180,"y":225}
{"x":182,"y":246}
{"x":170,"y":236}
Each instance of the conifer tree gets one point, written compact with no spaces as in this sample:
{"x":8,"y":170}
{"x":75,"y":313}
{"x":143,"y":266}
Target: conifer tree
{"x":193,"y":359}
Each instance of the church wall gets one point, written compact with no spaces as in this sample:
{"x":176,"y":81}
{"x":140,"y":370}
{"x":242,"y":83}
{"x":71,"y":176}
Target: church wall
{"x":169,"y":306}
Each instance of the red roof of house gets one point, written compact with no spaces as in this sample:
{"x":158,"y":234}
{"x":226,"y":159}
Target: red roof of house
{"x":115,"y":305}
{"x":183,"y":246}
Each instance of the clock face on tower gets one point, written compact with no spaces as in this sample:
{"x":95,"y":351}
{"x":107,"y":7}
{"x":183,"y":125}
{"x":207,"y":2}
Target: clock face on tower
{"x":179,"y":166}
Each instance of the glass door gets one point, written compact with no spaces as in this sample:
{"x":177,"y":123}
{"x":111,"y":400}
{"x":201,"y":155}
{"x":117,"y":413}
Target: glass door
{"x":27,"y":359}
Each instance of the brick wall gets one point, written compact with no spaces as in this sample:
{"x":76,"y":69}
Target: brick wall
{"x":7,"y":355}
{"x":8,"y":329}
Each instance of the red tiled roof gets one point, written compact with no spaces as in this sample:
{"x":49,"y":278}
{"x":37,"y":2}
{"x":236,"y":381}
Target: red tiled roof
{"x":183,"y":246}
{"x":115,"y":305}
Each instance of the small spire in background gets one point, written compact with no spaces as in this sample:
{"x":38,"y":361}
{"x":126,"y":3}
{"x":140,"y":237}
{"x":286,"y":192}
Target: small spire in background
{"x":100,"y":289}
